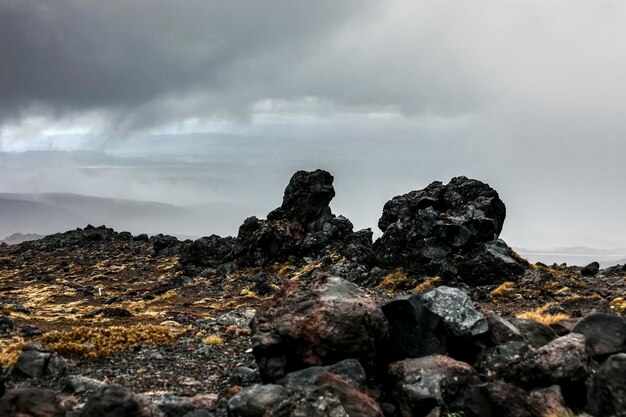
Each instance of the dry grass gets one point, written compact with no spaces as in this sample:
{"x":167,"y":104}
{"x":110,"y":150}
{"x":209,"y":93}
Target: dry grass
{"x":506,"y":290}
{"x":10,"y":350}
{"x":398,"y":279}
{"x":89,"y":342}
{"x":429,"y":284}
{"x":618,"y":305}
{"x":540,"y":315}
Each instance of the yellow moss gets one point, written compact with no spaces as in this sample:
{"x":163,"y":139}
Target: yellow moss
{"x":10,"y":350}
{"x":338,"y":258}
{"x":618,"y":305}
{"x":305,"y":270}
{"x":396,"y":280}
{"x":247,"y":292}
{"x":428,"y":284}
{"x":505,"y":290}
{"x":540,"y":315}
{"x":90,"y":342}
{"x":213,"y":340}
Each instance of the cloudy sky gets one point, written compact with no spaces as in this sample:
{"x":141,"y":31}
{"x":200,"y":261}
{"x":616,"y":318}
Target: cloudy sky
{"x":200,"y":101}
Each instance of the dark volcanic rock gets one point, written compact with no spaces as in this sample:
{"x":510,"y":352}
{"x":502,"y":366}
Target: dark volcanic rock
{"x":497,"y":361}
{"x":412,"y":328}
{"x":590,"y":270}
{"x":31,"y":402}
{"x":7,"y":325}
{"x":607,"y":391}
{"x":563,"y":361}
{"x":260,"y":401}
{"x":207,"y":252}
{"x":536,"y":333}
{"x":117,"y":401}
{"x":495,"y":399}
{"x":36,"y":361}
{"x":448,"y":230}
{"x":350,"y":370}
{"x":421,"y":384}
{"x":502,"y":330}
{"x":302,"y":226}
{"x":316,"y":323}
{"x":605,"y":333}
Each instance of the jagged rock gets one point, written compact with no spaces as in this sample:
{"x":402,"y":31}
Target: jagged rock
{"x":31,"y":402}
{"x":491,"y":262}
{"x":79,"y":384}
{"x":564,"y":361}
{"x":319,"y":322}
{"x":164,"y":245}
{"x":497,"y":361}
{"x":456,"y":310}
{"x":590,"y":270}
{"x":412,"y":328}
{"x":536,"y":333}
{"x":550,"y":401}
{"x":7,"y":324}
{"x":244,"y":376}
{"x":607,"y":391}
{"x":448,"y":230}
{"x":36,"y":361}
{"x":502,"y":331}
{"x":303,"y":226}
{"x":207,"y":252}
{"x":605,"y":333}
{"x":421,"y":384}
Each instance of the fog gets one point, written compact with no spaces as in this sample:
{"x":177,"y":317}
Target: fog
{"x":215,"y":104}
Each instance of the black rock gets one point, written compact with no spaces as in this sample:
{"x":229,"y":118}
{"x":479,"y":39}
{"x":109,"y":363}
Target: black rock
{"x":456,"y":310}
{"x":537,"y":334}
{"x":112,"y":401}
{"x":502,"y":330}
{"x":607,"y":391}
{"x":35,"y":361}
{"x":494,"y":399}
{"x":498,"y":361}
{"x":412,"y":328}
{"x":448,"y":230}
{"x":7,"y":324}
{"x":350,"y":370}
{"x":605,"y":333}
{"x":260,"y":401}
{"x":207,"y":252}
{"x":590,"y":270}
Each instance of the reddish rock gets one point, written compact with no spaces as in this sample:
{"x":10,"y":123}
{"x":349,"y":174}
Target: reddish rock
{"x":320,"y":322}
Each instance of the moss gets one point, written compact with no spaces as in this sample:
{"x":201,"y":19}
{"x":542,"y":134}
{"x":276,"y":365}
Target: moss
{"x":92,"y":343}
{"x":213,"y":340}
{"x":398,"y":279}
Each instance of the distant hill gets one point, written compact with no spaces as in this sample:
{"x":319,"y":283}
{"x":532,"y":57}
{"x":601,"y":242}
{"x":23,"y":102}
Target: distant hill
{"x":46,"y":213}
{"x":17,"y":238}
{"x":577,"y":255}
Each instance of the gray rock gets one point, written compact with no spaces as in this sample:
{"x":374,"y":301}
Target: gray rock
{"x":79,"y":384}
{"x":260,"y":401}
{"x":350,"y":370}
{"x":36,"y":361}
{"x":456,"y":310}
{"x":537,"y":334}
{"x":7,"y":324}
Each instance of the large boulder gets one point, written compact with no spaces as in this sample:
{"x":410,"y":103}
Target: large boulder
{"x":319,"y":322}
{"x":303,"y":225}
{"x":207,"y":252}
{"x":36,"y":361}
{"x":605,"y":333}
{"x":607,"y":390}
{"x":448,"y":230}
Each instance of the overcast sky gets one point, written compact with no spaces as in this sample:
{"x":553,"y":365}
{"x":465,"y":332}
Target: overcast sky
{"x":529,"y":96}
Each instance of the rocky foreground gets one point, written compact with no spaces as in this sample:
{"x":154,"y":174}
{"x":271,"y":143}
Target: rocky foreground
{"x":300,"y":315}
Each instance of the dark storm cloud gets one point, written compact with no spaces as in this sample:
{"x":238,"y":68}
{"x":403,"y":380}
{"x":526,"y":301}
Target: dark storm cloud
{"x":144,"y":62}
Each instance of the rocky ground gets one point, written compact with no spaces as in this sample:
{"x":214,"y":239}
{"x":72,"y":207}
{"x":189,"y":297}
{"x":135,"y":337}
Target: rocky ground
{"x":300,"y":315}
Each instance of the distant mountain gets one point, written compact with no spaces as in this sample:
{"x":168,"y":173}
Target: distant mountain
{"x":46,"y":213}
{"x":576,"y":255}
{"x":17,"y":238}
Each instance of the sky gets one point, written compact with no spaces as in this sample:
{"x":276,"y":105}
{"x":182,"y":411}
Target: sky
{"x":204,"y":101}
